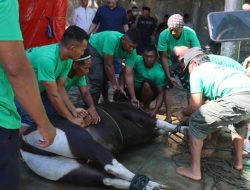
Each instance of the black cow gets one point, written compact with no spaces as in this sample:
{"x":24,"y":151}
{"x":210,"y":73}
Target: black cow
{"x":122,"y":125}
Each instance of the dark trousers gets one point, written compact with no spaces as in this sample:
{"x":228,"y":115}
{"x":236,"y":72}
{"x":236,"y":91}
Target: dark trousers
{"x":9,"y":164}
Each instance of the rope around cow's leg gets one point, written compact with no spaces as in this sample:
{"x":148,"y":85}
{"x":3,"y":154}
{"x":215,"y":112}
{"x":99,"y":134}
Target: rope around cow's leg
{"x":118,"y":170}
{"x":165,"y":127}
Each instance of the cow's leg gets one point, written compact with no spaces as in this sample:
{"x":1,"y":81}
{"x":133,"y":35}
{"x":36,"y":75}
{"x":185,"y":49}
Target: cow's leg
{"x":118,"y":170}
{"x":50,"y":167}
{"x":59,"y":168}
{"x":73,"y":143}
{"x":165,"y":127}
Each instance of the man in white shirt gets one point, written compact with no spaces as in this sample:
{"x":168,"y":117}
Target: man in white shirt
{"x":83,"y":16}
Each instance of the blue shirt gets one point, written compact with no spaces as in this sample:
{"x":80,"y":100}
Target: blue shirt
{"x":110,"y":19}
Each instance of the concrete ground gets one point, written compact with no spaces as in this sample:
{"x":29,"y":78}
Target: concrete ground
{"x":157,"y":160}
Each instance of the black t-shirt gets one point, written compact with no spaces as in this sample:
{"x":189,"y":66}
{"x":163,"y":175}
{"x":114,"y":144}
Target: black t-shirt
{"x":162,"y":26}
{"x":146,"y":26}
{"x":131,"y":21}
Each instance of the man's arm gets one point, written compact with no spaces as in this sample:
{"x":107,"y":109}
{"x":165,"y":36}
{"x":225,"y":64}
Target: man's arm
{"x":95,"y":21}
{"x":110,"y":72}
{"x":196,"y":101}
{"x":57,"y":102}
{"x":89,"y":101}
{"x":76,"y":112}
{"x":24,"y":84}
{"x":92,"y":28}
{"x":129,"y":78}
{"x":164,"y":63}
{"x":159,"y":100}
{"x":125,"y":27}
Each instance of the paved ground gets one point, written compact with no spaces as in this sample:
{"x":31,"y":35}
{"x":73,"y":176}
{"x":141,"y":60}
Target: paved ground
{"x":156,"y":160}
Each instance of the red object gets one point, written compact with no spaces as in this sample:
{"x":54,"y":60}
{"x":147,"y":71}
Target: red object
{"x":35,"y":17}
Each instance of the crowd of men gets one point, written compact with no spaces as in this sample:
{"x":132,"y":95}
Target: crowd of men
{"x":91,"y":52}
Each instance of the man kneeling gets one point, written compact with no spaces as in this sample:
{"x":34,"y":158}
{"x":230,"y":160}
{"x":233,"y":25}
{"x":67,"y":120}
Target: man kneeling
{"x":148,"y":80}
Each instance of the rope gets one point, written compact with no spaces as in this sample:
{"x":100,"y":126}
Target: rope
{"x":117,"y":126}
{"x":138,"y":182}
{"x":219,"y":169}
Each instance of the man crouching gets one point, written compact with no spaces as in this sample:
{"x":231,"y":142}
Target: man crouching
{"x":229,"y":92}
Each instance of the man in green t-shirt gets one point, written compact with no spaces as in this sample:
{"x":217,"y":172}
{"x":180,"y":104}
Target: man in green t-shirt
{"x":148,"y":80}
{"x":77,"y":77}
{"x":176,"y":35}
{"x":229,"y":92}
{"x":104,"y":47}
{"x":180,"y":51}
{"x":51,"y":64}
{"x":16,"y":75}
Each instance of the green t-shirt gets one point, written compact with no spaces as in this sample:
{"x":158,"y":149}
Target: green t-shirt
{"x":154,"y":74}
{"x":10,"y":31}
{"x":167,"y":42}
{"x":109,"y":42}
{"x":226,"y":61}
{"x":214,"y":80}
{"x":46,"y":63}
{"x":76,"y":80}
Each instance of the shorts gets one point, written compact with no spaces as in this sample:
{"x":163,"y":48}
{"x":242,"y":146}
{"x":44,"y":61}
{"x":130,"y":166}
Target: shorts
{"x":231,"y":111}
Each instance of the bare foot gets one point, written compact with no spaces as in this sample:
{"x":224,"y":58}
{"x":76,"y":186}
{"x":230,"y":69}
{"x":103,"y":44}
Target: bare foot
{"x":208,"y":151}
{"x":189,"y":173}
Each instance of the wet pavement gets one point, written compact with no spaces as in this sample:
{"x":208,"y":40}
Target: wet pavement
{"x":156,"y":160}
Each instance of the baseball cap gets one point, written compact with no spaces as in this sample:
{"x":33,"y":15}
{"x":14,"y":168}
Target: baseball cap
{"x":191,"y":54}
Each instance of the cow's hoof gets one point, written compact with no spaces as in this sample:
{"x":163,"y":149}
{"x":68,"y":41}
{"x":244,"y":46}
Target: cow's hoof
{"x":117,"y":183}
{"x":119,"y":170}
{"x":155,"y":186}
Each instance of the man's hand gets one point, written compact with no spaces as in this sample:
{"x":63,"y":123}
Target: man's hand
{"x":86,"y":121}
{"x":175,"y":82}
{"x":48,"y":133}
{"x":78,"y":121}
{"x":135,"y":102}
{"x":80,"y":112}
{"x":153,"y":114}
{"x":117,"y":88}
{"x":94,"y":115}
{"x":181,"y":117}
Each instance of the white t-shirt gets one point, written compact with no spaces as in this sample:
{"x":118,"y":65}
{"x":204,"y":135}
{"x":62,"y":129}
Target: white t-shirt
{"x":82,"y":17}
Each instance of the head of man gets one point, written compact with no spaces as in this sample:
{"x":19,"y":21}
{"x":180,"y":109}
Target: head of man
{"x":178,"y":55}
{"x":166,"y":17}
{"x":135,"y":11}
{"x":80,"y":67}
{"x":193,"y":58}
{"x":112,"y":3}
{"x":149,"y":56}
{"x":129,"y":13}
{"x":130,"y":40}
{"x":146,"y":11}
{"x":85,"y":3}
{"x":175,"y":25}
{"x":73,"y":42}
